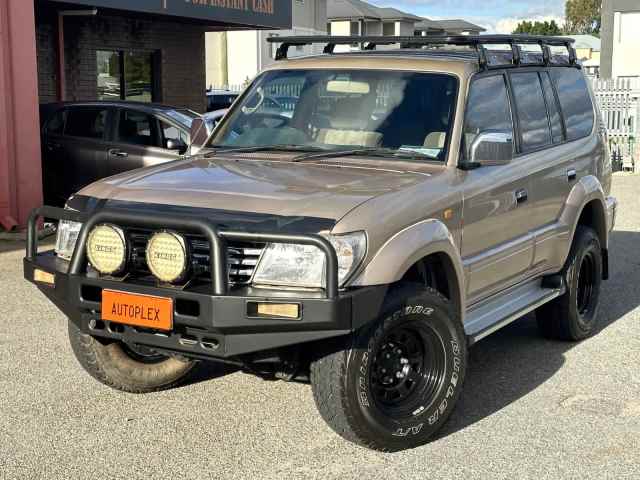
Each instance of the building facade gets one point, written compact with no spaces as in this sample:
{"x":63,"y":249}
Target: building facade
{"x":234,"y":58}
{"x":144,"y":50}
{"x":620,"y":39}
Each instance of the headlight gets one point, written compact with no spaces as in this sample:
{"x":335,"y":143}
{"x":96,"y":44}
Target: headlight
{"x":107,"y":249}
{"x":167,"y":256}
{"x":67,"y":237}
{"x":304,"y":266}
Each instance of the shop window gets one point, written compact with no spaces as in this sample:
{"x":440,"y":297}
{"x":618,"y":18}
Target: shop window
{"x":86,"y":123}
{"x":109,"y":78}
{"x":137,"y":128}
{"x":125,"y":75}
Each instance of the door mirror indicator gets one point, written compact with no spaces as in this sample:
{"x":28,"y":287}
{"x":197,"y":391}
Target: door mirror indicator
{"x":492,"y":148}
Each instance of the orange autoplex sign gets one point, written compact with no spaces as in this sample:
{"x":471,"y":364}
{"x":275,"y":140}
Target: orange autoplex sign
{"x":271,"y":14}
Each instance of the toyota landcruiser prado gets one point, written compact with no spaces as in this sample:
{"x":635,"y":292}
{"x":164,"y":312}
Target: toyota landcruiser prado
{"x":399,"y":206}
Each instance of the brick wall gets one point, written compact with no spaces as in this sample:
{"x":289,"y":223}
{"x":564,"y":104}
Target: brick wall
{"x":181,"y":48}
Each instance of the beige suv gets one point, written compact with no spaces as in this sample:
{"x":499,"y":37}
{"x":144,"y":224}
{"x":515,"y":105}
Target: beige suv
{"x":359,"y":219}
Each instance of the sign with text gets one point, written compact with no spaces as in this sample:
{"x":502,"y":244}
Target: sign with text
{"x":271,"y":14}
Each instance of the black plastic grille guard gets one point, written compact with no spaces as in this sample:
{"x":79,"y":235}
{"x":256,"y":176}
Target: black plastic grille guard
{"x":217,"y":239}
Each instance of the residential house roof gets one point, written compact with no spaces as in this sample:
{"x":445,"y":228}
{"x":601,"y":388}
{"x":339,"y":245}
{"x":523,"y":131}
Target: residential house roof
{"x":361,"y":10}
{"x":460,"y":25}
{"x":586,"y":41}
{"x":357,"y":9}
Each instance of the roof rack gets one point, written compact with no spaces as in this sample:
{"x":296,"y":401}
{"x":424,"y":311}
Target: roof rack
{"x":479,"y":42}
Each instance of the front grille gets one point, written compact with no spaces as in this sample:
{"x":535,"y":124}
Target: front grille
{"x":242,"y":257}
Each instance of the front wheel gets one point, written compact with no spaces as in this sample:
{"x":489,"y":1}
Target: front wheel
{"x":393,"y":384}
{"x":133,"y":369}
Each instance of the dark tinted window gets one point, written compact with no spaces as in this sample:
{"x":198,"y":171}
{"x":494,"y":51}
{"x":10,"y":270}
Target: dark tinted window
{"x":487,"y":108}
{"x":552,"y":108}
{"x":575,"y":101}
{"x":531,"y":110}
{"x":55,"y":126}
{"x":137,"y":128}
{"x":86,"y":122}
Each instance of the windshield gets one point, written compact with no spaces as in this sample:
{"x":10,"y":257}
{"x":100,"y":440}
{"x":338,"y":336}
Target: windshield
{"x":338,"y":109}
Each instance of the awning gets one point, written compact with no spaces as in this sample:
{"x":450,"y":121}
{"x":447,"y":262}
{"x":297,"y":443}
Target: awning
{"x":248,"y":14}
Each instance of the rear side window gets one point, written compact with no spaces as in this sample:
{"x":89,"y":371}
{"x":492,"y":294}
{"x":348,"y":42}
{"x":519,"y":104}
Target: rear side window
{"x":575,"y":101}
{"x":86,"y":123}
{"x":552,"y":108}
{"x":487,"y":109}
{"x":531,"y":110}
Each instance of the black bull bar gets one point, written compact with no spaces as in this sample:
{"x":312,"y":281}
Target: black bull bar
{"x":195,"y":225}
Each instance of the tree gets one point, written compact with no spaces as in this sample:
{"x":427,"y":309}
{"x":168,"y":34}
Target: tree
{"x":538,"y":28}
{"x":583,"y":17}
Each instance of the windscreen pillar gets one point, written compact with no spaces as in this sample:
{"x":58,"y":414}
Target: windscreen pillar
{"x":20,"y":163}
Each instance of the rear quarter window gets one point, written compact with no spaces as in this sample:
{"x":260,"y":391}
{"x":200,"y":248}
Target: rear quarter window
{"x":531,"y":110}
{"x":575,"y":101}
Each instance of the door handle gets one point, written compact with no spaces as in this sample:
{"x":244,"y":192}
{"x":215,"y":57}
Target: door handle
{"x":118,"y":153}
{"x":521,"y":196}
{"x":572,"y":174}
{"x":51,"y":146}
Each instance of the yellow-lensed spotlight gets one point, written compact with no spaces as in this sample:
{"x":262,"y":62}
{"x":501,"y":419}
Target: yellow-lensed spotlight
{"x":107,"y":249}
{"x":167,"y":256}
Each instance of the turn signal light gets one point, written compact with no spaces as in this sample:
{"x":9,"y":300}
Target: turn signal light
{"x":274,"y":310}
{"x":44,"y":277}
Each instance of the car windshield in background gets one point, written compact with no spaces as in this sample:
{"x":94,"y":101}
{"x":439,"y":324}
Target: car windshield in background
{"x":184,"y":117}
{"x":344,"y":109}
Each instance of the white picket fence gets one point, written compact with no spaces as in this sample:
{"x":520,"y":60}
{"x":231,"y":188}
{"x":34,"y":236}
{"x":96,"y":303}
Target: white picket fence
{"x":619,"y":101}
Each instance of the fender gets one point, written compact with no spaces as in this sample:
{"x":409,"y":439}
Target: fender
{"x":585,"y":191}
{"x":394,"y":258}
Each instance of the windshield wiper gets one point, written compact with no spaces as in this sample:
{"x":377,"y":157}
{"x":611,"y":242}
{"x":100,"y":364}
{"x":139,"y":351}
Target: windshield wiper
{"x":263,"y":148}
{"x":368,"y":151}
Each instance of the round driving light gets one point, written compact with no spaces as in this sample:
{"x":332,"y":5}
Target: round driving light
{"x":107,"y":249}
{"x":167,"y":256}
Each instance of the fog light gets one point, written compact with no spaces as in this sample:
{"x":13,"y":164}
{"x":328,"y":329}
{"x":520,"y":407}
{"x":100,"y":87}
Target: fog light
{"x":107,"y":249}
{"x":275,"y":310}
{"x":167,"y":256}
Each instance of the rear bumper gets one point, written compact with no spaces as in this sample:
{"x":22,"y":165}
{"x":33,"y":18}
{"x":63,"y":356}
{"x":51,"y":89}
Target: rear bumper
{"x":209,"y":320}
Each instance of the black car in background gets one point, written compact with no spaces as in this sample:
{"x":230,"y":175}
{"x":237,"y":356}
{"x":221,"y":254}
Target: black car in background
{"x":220,"y":99}
{"x":85,"y":141}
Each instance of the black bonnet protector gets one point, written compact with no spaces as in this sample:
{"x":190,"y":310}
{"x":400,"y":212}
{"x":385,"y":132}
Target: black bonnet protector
{"x":224,"y":219}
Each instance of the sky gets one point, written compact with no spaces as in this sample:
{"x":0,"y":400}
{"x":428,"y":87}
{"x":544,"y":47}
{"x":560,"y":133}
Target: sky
{"x":497,"y":16}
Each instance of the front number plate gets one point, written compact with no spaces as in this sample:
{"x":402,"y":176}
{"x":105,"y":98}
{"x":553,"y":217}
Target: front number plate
{"x":137,"y":310}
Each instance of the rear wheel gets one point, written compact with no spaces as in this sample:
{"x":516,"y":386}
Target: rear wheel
{"x":393,"y":385}
{"x":574,"y":315}
{"x":130,"y":368}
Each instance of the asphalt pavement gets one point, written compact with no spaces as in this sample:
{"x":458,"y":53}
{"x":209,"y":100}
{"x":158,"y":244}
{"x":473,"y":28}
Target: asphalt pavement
{"x":531,"y":408}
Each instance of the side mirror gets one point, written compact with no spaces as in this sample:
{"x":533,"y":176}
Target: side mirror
{"x":178,"y":145}
{"x":492,"y":148}
{"x":199,"y":134}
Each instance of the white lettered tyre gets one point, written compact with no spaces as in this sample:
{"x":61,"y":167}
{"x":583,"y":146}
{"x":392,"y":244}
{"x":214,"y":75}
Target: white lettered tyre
{"x":393,"y":384}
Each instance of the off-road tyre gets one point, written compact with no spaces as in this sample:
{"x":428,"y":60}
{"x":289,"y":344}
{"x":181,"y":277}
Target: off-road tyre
{"x":348,"y":386}
{"x":114,"y":365}
{"x":574,"y":315}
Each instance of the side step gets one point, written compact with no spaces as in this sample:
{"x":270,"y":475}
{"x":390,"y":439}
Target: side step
{"x":494,"y":313}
